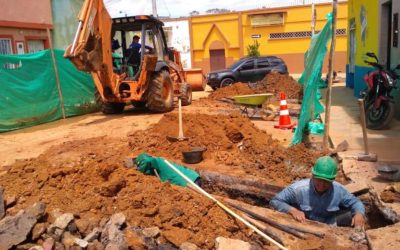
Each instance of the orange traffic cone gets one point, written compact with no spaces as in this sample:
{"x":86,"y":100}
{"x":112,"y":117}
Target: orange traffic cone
{"x":284,"y":118}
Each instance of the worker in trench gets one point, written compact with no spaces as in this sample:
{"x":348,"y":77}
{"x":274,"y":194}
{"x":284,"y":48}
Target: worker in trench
{"x":321,"y":198}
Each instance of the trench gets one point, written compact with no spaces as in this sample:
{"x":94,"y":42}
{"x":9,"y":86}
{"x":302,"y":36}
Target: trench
{"x":258,"y":192}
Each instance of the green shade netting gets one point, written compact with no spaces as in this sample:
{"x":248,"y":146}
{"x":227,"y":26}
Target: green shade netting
{"x":311,"y":80}
{"x":29,"y":95}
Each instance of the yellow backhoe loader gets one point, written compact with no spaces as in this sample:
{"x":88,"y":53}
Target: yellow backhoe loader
{"x":146,"y":74}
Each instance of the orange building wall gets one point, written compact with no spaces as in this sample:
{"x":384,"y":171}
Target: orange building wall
{"x":25,"y":11}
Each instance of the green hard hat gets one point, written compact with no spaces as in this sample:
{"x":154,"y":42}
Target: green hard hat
{"x":325,"y":168}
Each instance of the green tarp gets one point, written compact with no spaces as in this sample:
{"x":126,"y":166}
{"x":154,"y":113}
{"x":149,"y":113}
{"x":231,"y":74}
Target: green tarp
{"x":29,"y":93}
{"x":310,"y":79}
{"x":148,"y":164}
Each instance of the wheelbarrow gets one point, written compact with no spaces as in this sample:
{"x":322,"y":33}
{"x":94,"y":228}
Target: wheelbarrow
{"x":252,"y":105}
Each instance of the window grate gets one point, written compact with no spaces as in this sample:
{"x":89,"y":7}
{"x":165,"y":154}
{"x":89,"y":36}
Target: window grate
{"x":300,"y":34}
{"x":5,"y":46}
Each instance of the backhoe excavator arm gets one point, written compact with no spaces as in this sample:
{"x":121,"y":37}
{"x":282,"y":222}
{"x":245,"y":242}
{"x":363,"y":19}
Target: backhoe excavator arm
{"x":91,"y":48}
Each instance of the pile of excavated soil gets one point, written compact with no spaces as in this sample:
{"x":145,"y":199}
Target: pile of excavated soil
{"x":277,"y":83}
{"x":232,"y":90}
{"x":88,"y":178}
{"x":231,"y":140}
{"x":272,"y":83}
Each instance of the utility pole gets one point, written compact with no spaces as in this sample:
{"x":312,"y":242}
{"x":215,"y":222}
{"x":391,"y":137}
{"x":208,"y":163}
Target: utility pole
{"x":154,"y":6}
{"x":330,"y":74}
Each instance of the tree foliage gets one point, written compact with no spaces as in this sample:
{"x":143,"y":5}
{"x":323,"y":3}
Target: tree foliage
{"x":194,"y":13}
{"x":253,"y":49}
{"x":217,"y":10}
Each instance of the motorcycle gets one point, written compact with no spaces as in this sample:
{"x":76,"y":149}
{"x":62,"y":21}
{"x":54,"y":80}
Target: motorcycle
{"x":378,"y":103}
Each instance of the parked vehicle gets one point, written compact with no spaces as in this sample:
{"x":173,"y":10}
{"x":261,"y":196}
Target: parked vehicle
{"x":249,"y":69}
{"x":379,"y":104}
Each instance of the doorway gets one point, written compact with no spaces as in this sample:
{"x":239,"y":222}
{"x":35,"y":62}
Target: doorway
{"x":217,"y":59}
{"x":386,"y":33}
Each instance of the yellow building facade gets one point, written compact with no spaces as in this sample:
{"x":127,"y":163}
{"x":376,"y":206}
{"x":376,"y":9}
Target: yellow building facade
{"x":220,"y":39}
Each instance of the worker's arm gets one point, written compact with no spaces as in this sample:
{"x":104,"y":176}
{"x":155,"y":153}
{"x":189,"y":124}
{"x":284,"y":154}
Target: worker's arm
{"x":356,"y":206}
{"x":283,"y":200}
{"x":352,"y":202}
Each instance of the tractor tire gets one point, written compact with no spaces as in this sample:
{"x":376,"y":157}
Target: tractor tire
{"x":109,"y":108}
{"x":138,"y":104}
{"x":186,"y":94}
{"x":160,"y":93}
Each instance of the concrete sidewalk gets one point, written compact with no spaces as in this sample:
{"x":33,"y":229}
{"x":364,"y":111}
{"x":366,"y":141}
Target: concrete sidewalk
{"x":345,"y":125}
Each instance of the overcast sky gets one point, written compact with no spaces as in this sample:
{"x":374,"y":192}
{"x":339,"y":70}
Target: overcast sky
{"x":177,"y":8}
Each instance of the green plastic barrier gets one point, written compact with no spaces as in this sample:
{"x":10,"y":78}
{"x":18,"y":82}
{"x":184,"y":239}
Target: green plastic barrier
{"x":310,"y":79}
{"x":29,"y":94}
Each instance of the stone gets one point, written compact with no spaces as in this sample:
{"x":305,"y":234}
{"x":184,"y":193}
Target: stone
{"x":94,"y":235}
{"x":48,"y":244}
{"x":2,"y":207}
{"x":11,"y":201}
{"x":72,"y":228}
{"x":38,"y":230}
{"x":14,"y":229}
{"x":176,"y":235}
{"x":118,"y":219}
{"x":95,"y":245}
{"x":63,"y":220}
{"x":68,"y":239}
{"x":188,"y":246}
{"x":222,"y":243}
{"x":36,"y":248}
{"x":81,"y":243}
{"x":111,"y":234}
{"x":151,"y":232}
{"x":26,"y":246}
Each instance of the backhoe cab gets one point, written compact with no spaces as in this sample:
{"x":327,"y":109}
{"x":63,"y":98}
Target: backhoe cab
{"x":146,"y":74}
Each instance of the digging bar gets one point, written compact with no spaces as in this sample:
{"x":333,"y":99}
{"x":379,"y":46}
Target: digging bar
{"x":229,"y":211}
{"x":366,"y":156}
{"x":180,"y":137}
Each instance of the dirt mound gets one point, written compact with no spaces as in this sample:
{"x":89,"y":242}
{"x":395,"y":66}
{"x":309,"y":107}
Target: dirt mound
{"x":232,"y":90}
{"x":88,"y":178}
{"x":276,"y":83}
{"x":231,"y":140}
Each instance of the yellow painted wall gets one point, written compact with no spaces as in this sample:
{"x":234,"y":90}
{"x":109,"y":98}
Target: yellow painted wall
{"x":225,"y":28}
{"x":371,"y":43}
{"x":296,"y":19}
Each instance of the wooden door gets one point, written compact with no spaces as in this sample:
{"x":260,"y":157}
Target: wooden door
{"x":217,"y":59}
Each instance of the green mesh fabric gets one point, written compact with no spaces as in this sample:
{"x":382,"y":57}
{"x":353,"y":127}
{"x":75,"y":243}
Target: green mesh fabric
{"x":29,"y":94}
{"x":311,"y":80}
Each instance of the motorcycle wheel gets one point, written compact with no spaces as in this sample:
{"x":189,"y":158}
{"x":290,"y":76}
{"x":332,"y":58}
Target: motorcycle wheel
{"x":379,"y":118}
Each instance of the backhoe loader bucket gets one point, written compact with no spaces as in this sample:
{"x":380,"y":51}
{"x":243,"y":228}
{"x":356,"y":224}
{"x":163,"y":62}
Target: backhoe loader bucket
{"x":195,"y":78}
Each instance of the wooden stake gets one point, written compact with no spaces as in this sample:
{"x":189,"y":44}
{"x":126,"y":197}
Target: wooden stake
{"x":313,"y":18}
{"x":56,"y":73}
{"x":330,"y":75}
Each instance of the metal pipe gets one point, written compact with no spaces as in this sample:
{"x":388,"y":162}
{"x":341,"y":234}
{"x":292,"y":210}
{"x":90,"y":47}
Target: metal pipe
{"x":76,"y":37}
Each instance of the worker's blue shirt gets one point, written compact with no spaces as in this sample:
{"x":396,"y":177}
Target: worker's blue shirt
{"x":319,"y":207}
{"x":138,"y":46}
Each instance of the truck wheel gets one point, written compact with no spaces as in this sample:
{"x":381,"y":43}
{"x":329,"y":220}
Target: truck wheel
{"x":160,"y":96}
{"x":186,"y":94}
{"x":109,"y":108}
